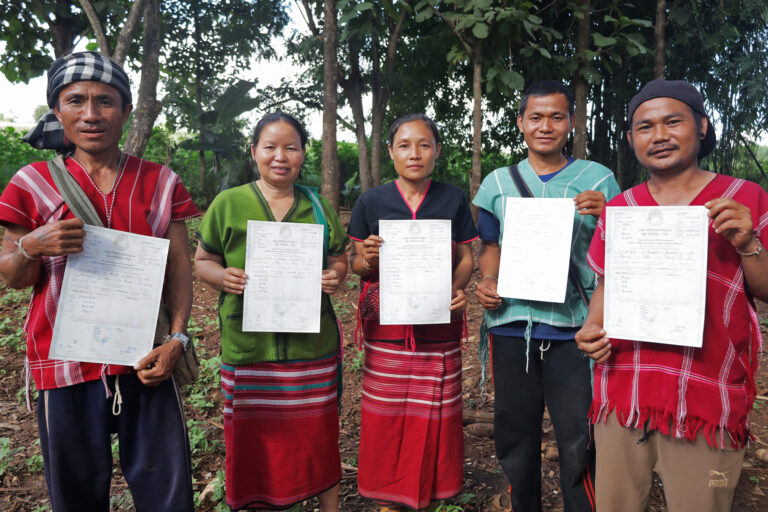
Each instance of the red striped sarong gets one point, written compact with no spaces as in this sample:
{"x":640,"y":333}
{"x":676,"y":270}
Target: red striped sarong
{"x":281,"y":429}
{"x":411,"y":437}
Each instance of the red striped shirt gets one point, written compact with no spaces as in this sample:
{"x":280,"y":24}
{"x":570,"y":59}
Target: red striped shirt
{"x":146,"y":197}
{"x":685,"y":391}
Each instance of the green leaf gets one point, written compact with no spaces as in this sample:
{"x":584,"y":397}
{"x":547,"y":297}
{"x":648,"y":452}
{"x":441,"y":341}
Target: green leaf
{"x":92,"y":46}
{"x":641,"y":23}
{"x":513,"y":80}
{"x":679,"y":15}
{"x":591,"y":74}
{"x":528,"y":27}
{"x":480,"y":30}
{"x":610,"y":19}
{"x":602,"y":41}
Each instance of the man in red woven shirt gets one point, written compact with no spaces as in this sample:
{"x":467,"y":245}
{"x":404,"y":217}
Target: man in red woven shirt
{"x":681,"y":412}
{"x":81,"y":404}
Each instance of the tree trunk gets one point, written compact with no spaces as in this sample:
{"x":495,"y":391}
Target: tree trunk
{"x":381,"y":92}
{"x":147,"y":106}
{"x":476,"y":174}
{"x":356,"y":105}
{"x":353,"y":90}
{"x":659,"y":29}
{"x":580,"y":83}
{"x":330,"y":155}
{"x":199,"y":90}
{"x":61,"y":28}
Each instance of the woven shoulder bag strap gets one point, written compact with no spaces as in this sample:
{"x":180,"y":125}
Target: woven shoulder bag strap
{"x":319,"y":214}
{"x":72,"y":193}
{"x":522,"y":187}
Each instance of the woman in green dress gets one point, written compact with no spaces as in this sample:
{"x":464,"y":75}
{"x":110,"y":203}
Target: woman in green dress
{"x":280,"y":389}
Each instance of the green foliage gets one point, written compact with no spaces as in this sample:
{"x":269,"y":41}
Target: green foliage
{"x":218,"y":496}
{"x":223,"y":135}
{"x":349,"y":169}
{"x":358,"y":359}
{"x":209,"y":380}
{"x":30,"y":28}
{"x":7,"y":455}
{"x":15,"y":154}
{"x":11,"y":331}
{"x":207,"y":38}
{"x":199,"y":444}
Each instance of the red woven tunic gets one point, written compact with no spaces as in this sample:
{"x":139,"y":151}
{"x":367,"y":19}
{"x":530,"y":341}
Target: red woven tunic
{"x":684,"y":391}
{"x":146,"y":197}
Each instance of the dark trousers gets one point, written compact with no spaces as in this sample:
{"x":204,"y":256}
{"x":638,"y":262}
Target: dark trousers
{"x":75,"y":424}
{"x":562,"y":382}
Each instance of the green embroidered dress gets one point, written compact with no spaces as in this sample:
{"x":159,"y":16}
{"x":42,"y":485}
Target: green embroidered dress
{"x":223,"y":232}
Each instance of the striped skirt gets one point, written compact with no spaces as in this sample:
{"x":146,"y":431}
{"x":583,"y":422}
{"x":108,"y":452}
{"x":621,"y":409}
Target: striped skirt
{"x":411,"y":437}
{"x":281,"y":429}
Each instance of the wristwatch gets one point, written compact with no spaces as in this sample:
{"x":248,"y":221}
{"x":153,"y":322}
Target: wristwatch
{"x":182,"y":338}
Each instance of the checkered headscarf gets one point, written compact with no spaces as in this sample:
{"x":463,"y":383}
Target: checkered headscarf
{"x":49,"y":134}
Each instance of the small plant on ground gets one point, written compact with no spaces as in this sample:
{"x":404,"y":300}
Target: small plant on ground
{"x":357,"y":360}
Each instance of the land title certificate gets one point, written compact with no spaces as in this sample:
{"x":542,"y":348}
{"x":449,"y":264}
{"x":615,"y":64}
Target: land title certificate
{"x":415,"y":272}
{"x":110,"y":297}
{"x":655,"y":273}
{"x":536,"y":248}
{"x":284,"y":265}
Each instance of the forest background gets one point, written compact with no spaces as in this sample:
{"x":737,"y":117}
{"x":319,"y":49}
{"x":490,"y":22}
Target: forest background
{"x":365,"y":63}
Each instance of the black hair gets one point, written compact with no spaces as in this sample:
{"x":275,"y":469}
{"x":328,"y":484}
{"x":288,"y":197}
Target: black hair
{"x":546,"y":88}
{"x":274,"y":117}
{"x":394,"y":127}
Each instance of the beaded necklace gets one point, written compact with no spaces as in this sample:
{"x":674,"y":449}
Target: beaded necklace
{"x":108,"y":207}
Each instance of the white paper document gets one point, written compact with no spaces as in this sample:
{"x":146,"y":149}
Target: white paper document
{"x":110,"y":297}
{"x":536,"y":249}
{"x":655,"y":274}
{"x":284,"y":264}
{"x":415,"y":272}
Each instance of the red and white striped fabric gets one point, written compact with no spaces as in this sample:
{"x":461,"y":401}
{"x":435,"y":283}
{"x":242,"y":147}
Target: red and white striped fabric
{"x":685,"y":391}
{"x":281,"y":428}
{"x":146,"y":197}
{"x":411,"y":439}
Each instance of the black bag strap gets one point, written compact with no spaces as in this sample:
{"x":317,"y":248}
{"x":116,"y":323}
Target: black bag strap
{"x":72,"y":193}
{"x":522,"y":187}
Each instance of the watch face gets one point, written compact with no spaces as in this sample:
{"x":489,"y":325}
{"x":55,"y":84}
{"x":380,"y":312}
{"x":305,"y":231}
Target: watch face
{"x":183,"y":338}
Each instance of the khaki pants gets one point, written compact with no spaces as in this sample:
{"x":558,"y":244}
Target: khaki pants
{"x":695,"y":476}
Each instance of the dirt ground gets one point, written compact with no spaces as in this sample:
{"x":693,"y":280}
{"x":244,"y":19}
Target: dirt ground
{"x":22,"y":484}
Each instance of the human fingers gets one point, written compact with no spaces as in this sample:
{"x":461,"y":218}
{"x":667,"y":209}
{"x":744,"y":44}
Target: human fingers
{"x":488,"y":302}
{"x":147,"y":361}
{"x":233,"y":280}
{"x":591,"y":340}
{"x":73,"y":223}
{"x":459,"y":301}
{"x":590,"y":202}
{"x":56,"y":239}
{"x":162,"y":361}
{"x":590,"y":332}
{"x":330,"y":281}
{"x":715,"y":206}
{"x":591,"y":208}
{"x":488,"y":288}
{"x":597,"y":351}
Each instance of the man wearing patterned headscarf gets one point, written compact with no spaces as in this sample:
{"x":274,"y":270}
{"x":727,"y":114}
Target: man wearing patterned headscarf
{"x":90,"y":99}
